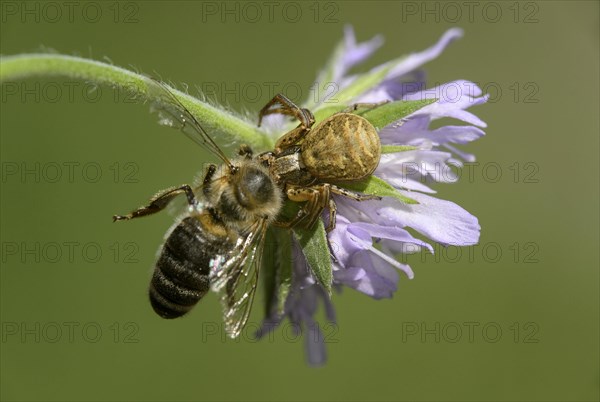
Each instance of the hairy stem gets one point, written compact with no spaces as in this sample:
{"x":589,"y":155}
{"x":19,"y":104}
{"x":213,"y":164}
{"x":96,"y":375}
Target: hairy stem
{"x":216,"y":121}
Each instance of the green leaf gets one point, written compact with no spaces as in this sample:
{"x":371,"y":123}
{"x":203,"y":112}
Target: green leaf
{"x":366,"y":81}
{"x":314,"y":245}
{"x":316,"y":250}
{"x":276,"y":270}
{"x":380,"y":116}
{"x":388,"y":113}
{"x":283,"y":277}
{"x":289,"y":210}
{"x":361,"y":84}
{"x":268,"y":270}
{"x":392,"y":149}
{"x":376,"y":186}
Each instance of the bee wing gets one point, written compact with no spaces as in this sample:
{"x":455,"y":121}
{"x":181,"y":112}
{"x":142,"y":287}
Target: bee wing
{"x":172,"y":113}
{"x":236,"y":278}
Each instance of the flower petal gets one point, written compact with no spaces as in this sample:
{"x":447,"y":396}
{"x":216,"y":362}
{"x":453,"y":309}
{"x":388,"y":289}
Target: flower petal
{"x":391,"y":233}
{"x":314,"y":342}
{"x":440,"y":220}
{"x":411,"y":135}
{"x":451,"y":102}
{"x":362,"y":266}
{"x":369,"y":275}
{"x":418,"y":166}
{"x":356,"y":53}
{"x":416,"y":60}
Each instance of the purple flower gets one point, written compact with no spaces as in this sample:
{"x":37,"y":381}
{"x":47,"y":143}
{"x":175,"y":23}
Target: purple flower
{"x":300,"y":307}
{"x":369,"y":234}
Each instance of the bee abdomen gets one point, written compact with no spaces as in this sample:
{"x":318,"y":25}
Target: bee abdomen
{"x":181,"y":276}
{"x":175,"y":287}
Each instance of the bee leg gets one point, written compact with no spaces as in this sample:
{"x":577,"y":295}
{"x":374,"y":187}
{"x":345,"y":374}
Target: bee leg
{"x":245,"y":151}
{"x":287,"y":107}
{"x":159,"y":202}
{"x":212,"y":168}
{"x":352,"y":194}
{"x":354,"y":107}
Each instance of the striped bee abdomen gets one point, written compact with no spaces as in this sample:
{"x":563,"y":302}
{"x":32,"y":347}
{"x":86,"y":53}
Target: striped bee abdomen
{"x":181,"y":275}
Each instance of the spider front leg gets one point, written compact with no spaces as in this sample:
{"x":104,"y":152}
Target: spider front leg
{"x":353,"y":194}
{"x":282,"y":105}
{"x":363,"y":105}
{"x":316,"y":199}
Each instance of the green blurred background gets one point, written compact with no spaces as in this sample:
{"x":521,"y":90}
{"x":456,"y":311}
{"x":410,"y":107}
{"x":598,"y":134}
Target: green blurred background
{"x":541,"y":214}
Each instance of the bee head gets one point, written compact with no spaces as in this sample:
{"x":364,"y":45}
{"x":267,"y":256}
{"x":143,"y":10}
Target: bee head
{"x":254,"y":187}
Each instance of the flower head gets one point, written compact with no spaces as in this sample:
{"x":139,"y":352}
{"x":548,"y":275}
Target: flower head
{"x":368,"y":234}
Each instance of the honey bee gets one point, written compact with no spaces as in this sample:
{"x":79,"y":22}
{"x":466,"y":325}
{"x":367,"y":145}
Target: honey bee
{"x":218,"y":242}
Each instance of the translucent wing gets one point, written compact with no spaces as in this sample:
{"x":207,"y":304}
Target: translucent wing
{"x":236,"y":277}
{"x":172,"y":113}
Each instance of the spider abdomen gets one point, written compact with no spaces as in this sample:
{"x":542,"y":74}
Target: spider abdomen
{"x":341,"y":148}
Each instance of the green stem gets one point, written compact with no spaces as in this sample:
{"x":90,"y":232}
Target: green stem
{"x":213,"y":119}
